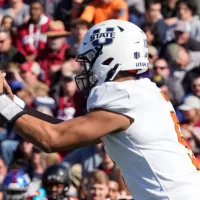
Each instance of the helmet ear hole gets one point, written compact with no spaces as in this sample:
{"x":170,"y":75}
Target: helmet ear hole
{"x":107,"y":61}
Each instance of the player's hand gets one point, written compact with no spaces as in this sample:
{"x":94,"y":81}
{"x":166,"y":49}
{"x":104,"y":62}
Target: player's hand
{"x":4,"y":87}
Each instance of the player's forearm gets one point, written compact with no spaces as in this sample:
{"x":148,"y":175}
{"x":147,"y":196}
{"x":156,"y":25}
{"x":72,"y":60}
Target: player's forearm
{"x":36,"y":131}
{"x":53,"y":137}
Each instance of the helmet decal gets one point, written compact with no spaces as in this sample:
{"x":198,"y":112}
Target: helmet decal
{"x":100,"y":37}
{"x":137,"y":55}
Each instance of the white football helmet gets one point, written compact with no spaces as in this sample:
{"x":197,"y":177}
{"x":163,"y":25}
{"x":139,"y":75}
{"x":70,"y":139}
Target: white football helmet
{"x":109,"y":47}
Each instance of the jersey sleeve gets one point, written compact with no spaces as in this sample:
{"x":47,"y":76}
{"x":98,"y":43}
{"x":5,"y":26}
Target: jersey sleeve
{"x":110,"y":96}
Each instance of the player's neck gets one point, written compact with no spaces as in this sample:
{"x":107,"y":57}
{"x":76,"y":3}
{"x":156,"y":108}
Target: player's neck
{"x":121,"y":79}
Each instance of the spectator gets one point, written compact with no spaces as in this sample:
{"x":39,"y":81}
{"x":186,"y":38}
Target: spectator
{"x":3,"y":169}
{"x":198,"y":7}
{"x":18,"y":10}
{"x":188,"y":79}
{"x":67,"y":11}
{"x":89,"y":158}
{"x":8,"y":53}
{"x":108,"y":166}
{"x":68,"y":98}
{"x":153,"y":55}
{"x":152,"y":34}
{"x":113,"y":193}
{"x":161,"y":68}
{"x":22,"y":156}
{"x":37,"y":168}
{"x":113,"y":172}
{"x":153,"y":11}
{"x":51,"y":58}
{"x":136,"y":10}
{"x":186,"y":12}
{"x":82,"y":190}
{"x":39,"y":161}
{"x":30,"y":36}
{"x":56,"y":180}
{"x":70,"y":63}
{"x":162,"y":84}
{"x":13,"y":74}
{"x":7,"y":23}
{"x":196,"y":86}
{"x":76,"y":175}
{"x":97,"y":187}
{"x":101,"y":10}
{"x":181,"y":60}
{"x":169,"y":8}
{"x":3,"y":173}
{"x":30,"y":72}
{"x":191,"y":112}
{"x":78,"y":27}
{"x":50,"y":159}
{"x":171,"y":84}
{"x":78,"y":7}
{"x":168,"y":22}
{"x":182,"y":36}
{"x":50,"y":7}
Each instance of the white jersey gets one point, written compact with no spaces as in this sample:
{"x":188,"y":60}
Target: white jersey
{"x":154,"y":164}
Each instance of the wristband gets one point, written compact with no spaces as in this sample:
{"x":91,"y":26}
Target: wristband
{"x":9,"y":109}
{"x":34,"y":113}
{"x":19,"y":102}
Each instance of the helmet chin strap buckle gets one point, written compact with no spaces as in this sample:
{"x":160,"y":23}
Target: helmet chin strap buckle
{"x":111,"y":73}
{"x":93,"y":79}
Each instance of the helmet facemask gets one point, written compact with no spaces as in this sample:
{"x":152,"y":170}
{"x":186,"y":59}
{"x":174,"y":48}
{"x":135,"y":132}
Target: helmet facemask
{"x":87,"y":80}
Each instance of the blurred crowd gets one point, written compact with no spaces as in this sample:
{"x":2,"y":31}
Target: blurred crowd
{"x":39,"y":40}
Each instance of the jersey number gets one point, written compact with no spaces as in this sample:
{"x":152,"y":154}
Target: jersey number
{"x":181,"y":140}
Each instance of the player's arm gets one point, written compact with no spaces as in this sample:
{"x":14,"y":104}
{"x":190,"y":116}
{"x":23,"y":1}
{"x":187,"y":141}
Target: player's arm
{"x":70,"y":134}
{"x":52,"y":137}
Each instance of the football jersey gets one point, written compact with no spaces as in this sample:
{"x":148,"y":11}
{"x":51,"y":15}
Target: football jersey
{"x":155,"y":162}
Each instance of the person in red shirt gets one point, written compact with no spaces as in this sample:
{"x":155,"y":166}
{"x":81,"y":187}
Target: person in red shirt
{"x":51,"y":58}
{"x":30,"y":37}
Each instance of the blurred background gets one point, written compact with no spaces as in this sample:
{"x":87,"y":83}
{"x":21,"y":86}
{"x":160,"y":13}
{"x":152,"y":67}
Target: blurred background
{"x":39,"y":40}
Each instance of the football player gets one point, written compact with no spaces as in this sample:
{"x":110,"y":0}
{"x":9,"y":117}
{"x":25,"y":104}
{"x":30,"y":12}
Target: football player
{"x":135,"y":120}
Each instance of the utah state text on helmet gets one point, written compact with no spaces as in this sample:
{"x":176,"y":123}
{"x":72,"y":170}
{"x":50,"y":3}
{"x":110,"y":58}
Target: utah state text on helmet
{"x":109,"y":47}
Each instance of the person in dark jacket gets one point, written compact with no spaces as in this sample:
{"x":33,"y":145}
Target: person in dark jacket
{"x":8,"y":53}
